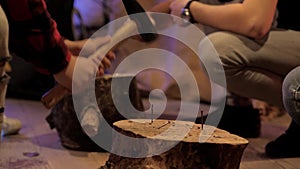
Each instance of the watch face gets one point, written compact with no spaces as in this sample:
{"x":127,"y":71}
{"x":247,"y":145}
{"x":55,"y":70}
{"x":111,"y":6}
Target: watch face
{"x":185,"y":15}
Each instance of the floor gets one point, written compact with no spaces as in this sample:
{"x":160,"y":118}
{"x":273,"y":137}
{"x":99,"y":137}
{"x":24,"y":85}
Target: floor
{"x":38,"y":147}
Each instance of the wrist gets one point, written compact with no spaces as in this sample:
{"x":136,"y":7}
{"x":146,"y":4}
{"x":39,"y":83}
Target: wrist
{"x":64,"y":77}
{"x":186,"y":12}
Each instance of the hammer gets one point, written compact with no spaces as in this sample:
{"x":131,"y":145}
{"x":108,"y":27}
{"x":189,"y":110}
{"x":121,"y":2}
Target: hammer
{"x":140,"y":22}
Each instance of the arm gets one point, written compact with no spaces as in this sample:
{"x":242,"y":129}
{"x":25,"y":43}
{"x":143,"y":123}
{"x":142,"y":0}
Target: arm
{"x":34,"y":37}
{"x":251,"y":18}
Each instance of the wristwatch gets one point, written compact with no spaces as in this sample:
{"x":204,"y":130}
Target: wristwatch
{"x":186,"y":13}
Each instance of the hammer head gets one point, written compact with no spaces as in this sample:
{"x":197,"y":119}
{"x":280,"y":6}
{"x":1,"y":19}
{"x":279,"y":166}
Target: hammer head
{"x":142,"y":20}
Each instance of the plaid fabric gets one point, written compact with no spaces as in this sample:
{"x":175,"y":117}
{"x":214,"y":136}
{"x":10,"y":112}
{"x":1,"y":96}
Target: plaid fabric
{"x":33,"y":35}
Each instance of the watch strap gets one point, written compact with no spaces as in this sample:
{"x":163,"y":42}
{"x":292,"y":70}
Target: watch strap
{"x":187,"y":6}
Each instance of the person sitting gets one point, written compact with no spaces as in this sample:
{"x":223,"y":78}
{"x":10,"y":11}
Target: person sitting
{"x":255,"y":56}
{"x":285,"y":144}
{"x":32,"y":35}
{"x":8,"y":126}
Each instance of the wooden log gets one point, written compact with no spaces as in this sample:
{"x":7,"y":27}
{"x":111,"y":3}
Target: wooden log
{"x":221,"y":150}
{"x":74,"y":129}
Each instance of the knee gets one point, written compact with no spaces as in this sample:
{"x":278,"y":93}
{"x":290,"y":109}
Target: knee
{"x":3,"y":34}
{"x":4,"y":24}
{"x":291,"y":93}
{"x":291,"y":85}
{"x":221,"y":41}
{"x":229,"y":49}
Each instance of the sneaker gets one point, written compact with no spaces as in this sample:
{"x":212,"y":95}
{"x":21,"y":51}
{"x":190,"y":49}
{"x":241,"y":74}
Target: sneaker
{"x":11,"y":126}
{"x":287,"y":145}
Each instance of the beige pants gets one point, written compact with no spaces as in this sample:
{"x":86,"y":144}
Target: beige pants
{"x":256,"y":69}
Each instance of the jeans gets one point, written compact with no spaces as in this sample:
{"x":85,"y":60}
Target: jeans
{"x":291,"y":94}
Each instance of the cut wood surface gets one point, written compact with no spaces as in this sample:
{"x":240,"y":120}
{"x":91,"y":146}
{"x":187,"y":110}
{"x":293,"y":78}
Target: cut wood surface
{"x":158,"y":128}
{"x":221,"y":150}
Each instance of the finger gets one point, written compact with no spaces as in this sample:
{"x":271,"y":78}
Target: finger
{"x":137,"y":37}
{"x":96,"y":61}
{"x":106,"y":62}
{"x":100,"y":72}
{"x":101,"y":66}
{"x":111,"y":55}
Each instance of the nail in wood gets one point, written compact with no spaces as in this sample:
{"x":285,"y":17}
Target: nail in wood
{"x":202,"y":120}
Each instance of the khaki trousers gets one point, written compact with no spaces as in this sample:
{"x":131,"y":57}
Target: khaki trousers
{"x":256,"y":68}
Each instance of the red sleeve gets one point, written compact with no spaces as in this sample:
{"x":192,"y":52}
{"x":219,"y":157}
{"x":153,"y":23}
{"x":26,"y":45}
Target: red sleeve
{"x":34,"y":35}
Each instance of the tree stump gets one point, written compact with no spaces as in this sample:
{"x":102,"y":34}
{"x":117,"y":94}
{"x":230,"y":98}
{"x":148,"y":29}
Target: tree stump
{"x":76,"y":130}
{"x":221,"y":150}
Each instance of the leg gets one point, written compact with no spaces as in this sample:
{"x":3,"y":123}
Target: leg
{"x":3,"y":54}
{"x":287,"y":145}
{"x":255,"y":69}
{"x":291,"y":94}
{"x":3,"y":37}
{"x":8,"y":125}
